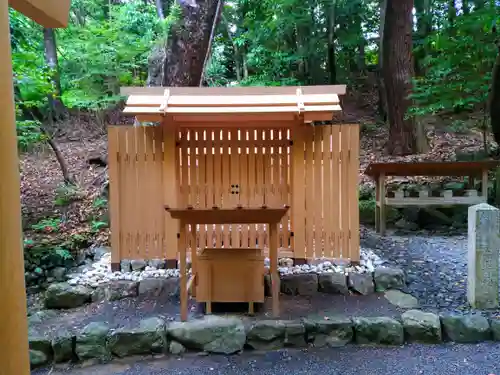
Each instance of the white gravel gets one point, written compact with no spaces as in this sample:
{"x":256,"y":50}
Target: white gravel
{"x":100,"y":272}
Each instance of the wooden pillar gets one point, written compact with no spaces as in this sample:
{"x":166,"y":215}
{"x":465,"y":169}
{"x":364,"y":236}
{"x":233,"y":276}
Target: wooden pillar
{"x":170,"y":183}
{"x":484,"y":184}
{"x":380,"y":220}
{"x":14,"y":353}
{"x":275,"y":277}
{"x":298,"y":195}
{"x":183,"y":270}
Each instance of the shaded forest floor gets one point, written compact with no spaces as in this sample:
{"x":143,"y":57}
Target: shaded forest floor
{"x":79,"y":212}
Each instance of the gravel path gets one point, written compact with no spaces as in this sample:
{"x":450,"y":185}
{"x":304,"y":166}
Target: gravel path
{"x":436,"y":266}
{"x":447,"y":359}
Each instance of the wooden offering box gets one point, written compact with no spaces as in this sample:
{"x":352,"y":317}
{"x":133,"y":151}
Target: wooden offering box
{"x":230,"y":275}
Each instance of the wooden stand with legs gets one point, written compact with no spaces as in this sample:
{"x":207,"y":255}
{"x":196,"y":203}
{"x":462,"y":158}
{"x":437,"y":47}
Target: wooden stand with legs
{"x":194,"y":217}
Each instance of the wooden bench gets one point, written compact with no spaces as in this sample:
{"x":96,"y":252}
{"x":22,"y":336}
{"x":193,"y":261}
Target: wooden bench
{"x":474,"y":170}
{"x":239,"y":215}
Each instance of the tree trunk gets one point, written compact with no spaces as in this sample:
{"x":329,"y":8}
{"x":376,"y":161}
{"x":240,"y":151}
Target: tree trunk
{"x":465,"y":6}
{"x":398,"y":73}
{"x":236,"y":52}
{"x":180,"y":61}
{"x":424,"y":28}
{"x":159,"y":9}
{"x":452,"y":12}
{"x":478,"y":4}
{"x":494,"y":99}
{"x":332,"y":65}
{"x":56,"y":107}
{"x":382,"y":100}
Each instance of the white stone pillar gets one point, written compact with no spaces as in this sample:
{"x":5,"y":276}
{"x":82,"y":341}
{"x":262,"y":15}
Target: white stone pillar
{"x":483,"y":256}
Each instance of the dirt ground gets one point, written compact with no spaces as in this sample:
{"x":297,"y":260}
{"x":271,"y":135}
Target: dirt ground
{"x":128,"y":312}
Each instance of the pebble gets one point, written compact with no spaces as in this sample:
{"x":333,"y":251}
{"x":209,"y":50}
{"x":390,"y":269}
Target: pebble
{"x":100,"y":272}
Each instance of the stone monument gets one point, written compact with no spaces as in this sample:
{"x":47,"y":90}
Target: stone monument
{"x":483,"y":253}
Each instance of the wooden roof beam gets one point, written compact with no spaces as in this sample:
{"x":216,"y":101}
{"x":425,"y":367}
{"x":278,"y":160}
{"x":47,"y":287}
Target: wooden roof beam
{"x":254,"y":90}
{"x":230,"y":100}
{"x":48,"y":13}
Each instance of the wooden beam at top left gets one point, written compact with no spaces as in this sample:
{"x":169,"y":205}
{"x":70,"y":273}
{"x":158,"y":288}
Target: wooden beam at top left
{"x":48,"y":13}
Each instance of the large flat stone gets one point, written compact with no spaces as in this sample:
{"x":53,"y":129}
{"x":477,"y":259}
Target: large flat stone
{"x":148,"y":338}
{"x":305,"y":284}
{"x":467,"y":328}
{"x":329,"y":331}
{"x":211,"y":334}
{"x":422,"y":326}
{"x":400,"y":299}
{"x":333,"y":283}
{"x":361,"y":283}
{"x":388,"y":278}
{"x":63,"y":347}
{"x":156,"y":286}
{"x":91,"y":342}
{"x":65,"y":296}
{"x":378,"y":330}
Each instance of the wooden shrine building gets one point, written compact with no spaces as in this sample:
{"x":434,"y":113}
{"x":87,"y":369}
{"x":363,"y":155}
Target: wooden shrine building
{"x":256,"y":155}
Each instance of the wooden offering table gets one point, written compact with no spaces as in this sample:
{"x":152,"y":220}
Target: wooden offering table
{"x":473,"y":169}
{"x":228,"y":274}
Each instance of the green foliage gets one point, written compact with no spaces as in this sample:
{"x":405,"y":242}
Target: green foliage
{"x":47,"y":225}
{"x":458,"y":66}
{"x":66,"y":194}
{"x":100,"y":55}
{"x":29,"y":134}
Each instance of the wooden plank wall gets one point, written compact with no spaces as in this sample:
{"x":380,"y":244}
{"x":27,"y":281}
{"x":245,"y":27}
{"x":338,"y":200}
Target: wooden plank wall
{"x":325,"y":210}
{"x":247,"y":167}
{"x":233,"y":167}
{"x":136,"y":160}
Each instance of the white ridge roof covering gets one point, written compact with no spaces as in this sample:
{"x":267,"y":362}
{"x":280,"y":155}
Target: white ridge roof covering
{"x":233,"y":104}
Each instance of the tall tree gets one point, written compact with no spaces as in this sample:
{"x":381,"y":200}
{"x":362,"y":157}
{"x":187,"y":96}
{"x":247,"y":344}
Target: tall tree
{"x":55,"y":105}
{"x":181,"y":60}
{"x":398,"y":75}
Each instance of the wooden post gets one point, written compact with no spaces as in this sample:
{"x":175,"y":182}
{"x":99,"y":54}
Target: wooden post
{"x":182,"y":270}
{"x":298,"y":195}
{"x":484,"y":184}
{"x":275,"y":277}
{"x":170,"y":183}
{"x":380,"y":220}
{"x":14,"y":355}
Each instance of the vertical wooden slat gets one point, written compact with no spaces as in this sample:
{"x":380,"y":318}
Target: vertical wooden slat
{"x":327,"y":191}
{"x":170,"y":190}
{"x":298,"y":178}
{"x":226,"y":184}
{"x":234,"y":183}
{"x":309,"y":184}
{"x":218,"y":181}
{"x":335,"y":192}
{"x":210,"y":183}
{"x":194,"y":185}
{"x":202,"y":182}
{"x":138,"y":135}
{"x":354,"y":250}
{"x":130,"y":184}
{"x":252,"y":183}
{"x":344,"y":192}
{"x":114,"y":192}
{"x":245,"y":186}
{"x":260,"y":191}
{"x":149,"y":193}
{"x":286,"y":183}
{"x":142,"y":187}
{"x":159,"y":233}
{"x":317,"y":204}
{"x":124,"y":193}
